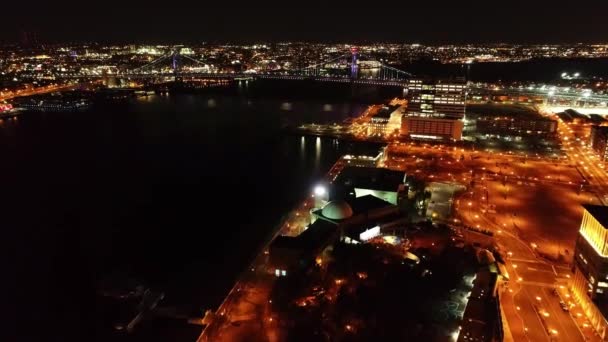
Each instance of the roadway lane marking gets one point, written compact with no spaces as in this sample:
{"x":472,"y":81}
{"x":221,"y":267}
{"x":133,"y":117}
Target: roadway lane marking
{"x":551,"y":305}
{"x":536,"y":313}
{"x":530,"y":261}
{"x":539,"y":270}
{"x":537,"y":283}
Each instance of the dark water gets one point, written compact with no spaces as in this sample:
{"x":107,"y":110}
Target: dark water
{"x":176,"y":191}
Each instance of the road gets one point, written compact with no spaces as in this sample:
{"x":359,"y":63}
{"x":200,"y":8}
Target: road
{"x":532,"y":311}
{"x":575,"y":141}
{"x":39,"y":90}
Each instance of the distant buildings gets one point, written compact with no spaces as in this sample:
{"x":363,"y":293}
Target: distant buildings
{"x":599,"y":141}
{"x":590,"y":281}
{"x":435,"y":109}
{"x":509,"y":121}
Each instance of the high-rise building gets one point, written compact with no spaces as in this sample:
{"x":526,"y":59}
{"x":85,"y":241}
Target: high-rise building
{"x":599,"y":141}
{"x":590,"y":282}
{"x":440,"y":99}
{"x":435,"y":109}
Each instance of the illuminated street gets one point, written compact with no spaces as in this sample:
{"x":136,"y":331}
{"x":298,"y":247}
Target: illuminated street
{"x":7,"y":95}
{"x":523,"y":224}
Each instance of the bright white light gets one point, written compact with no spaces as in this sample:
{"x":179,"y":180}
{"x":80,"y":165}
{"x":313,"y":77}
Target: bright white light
{"x":577,"y":74}
{"x":370,"y":233}
{"x":320,"y":190}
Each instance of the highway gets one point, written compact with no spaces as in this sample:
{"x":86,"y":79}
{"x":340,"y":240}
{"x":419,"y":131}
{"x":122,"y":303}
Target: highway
{"x":40,"y":90}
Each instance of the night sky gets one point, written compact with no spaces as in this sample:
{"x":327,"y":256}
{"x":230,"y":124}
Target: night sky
{"x":399,"y":21}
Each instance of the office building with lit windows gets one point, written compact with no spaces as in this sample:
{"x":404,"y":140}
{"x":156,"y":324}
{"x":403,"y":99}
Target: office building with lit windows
{"x":387,"y":121}
{"x":435,"y":109}
{"x":438,"y":99}
{"x":429,"y":128}
{"x":590,"y":282}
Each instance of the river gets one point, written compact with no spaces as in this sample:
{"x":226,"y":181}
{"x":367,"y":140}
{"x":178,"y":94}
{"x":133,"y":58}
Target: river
{"x":174,"y":191}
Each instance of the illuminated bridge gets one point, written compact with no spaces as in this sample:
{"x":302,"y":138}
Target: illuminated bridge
{"x":349,"y":67}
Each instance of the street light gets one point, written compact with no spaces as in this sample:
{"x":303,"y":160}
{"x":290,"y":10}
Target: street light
{"x":320,"y":190}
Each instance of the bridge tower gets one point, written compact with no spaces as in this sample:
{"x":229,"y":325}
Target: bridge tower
{"x":174,"y":65}
{"x":354,"y":67}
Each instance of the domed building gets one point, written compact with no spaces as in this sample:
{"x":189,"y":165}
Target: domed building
{"x":355,"y":211}
{"x":337,"y":210}
{"x":355,"y":219}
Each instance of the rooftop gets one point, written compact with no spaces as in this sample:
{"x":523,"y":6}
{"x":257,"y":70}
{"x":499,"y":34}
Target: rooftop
{"x":310,"y":239}
{"x":337,"y":210}
{"x":504,"y":110}
{"x":354,"y":207}
{"x":599,"y":212}
{"x":366,"y":203}
{"x":371,"y":178}
{"x":386,"y":111}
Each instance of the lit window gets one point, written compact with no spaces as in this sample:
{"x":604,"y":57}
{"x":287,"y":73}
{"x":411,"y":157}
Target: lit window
{"x":283,"y":273}
{"x":277,"y":272}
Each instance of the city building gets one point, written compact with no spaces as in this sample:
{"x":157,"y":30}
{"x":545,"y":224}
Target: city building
{"x":435,"y":109}
{"x":590,"y":282}
{"x":431,"y":128}
{"x":288,"y":254}
{"x":385,"y":184}
{"x":386,"y":121}
{"x":508,"y":126}
{"x":599,"y":141}
{"x":354,"y":221}
{"x":509,"y":121}
{"x":481,"y":319}
{"x":439,"y":99}
{"x":361,"y":160}
{"x":359,"y":219}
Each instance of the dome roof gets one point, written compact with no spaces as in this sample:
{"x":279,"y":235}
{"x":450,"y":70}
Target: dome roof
{"x":337,"y":210}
